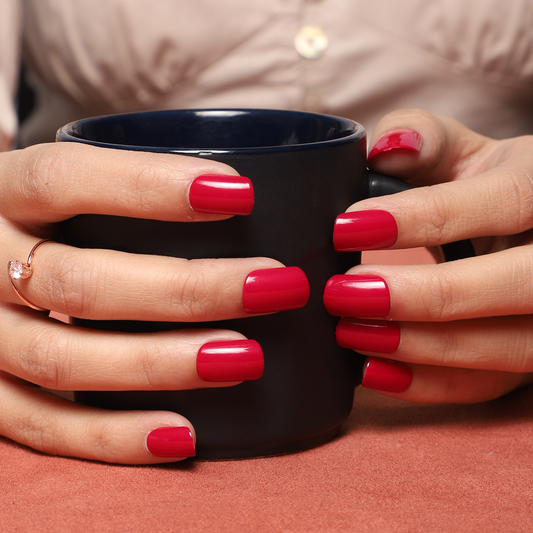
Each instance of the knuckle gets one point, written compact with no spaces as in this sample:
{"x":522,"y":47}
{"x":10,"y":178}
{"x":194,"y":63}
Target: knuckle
{"x":151,"y":370}
{"x":44,"y":429}
{"x":145,"y":178}
{"x":101,"y":439}
{"x":519,"y":349}
{"x":440,"y":302}
{"x":433,"y":206}
{"x":39,"y":431}
{"x":37,"y":183}
{"x":43,"y":360}
{"x":149,"y":185}
{"x":522,"y":184}
{"x":191,"y":298}
{"x":451,"y":347}
{"x":75,"y":285}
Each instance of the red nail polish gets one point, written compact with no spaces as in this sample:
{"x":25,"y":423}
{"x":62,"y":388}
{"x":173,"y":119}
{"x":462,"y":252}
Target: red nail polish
{"x":275,"y":289}
{"x":230,"y":361}
{"x":364,"y":230}
{"x":171,"y":442}
{"x":357,"y":296}
{"x":386,"y":375}
{"x":223,"y":195}
{"x":368,"y":336}
{"x":398,"y":139}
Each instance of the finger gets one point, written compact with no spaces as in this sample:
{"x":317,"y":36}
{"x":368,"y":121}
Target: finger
{"x":495,"y":200}
{"x":52,"y":182}
{"x":56,"y":426}
{"x":500,"y":344}
{"x":61,"y":357}
{"x":497,"y":284}
{"x":110,"y":285}
{"x":425,"y":148}
{"x":495,"y":203}
{"x":434,"y":384}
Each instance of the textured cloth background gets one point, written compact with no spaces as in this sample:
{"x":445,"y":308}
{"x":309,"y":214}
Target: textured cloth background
{"x":396,"y":467}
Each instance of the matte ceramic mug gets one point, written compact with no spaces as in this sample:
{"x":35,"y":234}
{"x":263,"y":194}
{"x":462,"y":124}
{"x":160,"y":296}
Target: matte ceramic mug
{"x":306,"y":169}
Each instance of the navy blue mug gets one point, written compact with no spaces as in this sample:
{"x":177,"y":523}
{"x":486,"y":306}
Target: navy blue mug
{"x":306,"y":169}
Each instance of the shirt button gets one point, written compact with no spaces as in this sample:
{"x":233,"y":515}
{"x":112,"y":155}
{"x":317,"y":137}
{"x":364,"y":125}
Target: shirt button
{"x":311,"y":42}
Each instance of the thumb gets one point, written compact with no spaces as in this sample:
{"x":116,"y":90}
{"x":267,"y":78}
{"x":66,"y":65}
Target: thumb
{"x":479,"y":186}
{"x":423,"y":148}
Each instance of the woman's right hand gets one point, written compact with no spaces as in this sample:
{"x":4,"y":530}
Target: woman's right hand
{"x":45,"y":184}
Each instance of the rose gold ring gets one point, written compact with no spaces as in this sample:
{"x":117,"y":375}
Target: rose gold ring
{"x":18,"y":270}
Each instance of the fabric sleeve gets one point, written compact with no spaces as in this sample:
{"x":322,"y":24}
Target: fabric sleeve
{"x":10,"y":32}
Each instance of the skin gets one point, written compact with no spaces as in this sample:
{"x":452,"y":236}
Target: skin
{"x":37,"y":192}
{"x":466,"y":329}
{"x":466,"y":326}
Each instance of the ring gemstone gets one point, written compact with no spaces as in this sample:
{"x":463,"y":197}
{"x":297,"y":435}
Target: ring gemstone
{"x":16,"y":270}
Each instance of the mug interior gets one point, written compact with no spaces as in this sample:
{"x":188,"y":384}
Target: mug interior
{"x":217,"y":130}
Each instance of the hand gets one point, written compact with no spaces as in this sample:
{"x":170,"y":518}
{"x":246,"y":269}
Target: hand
{"x":452,"y":332}
{"x":45,"y":184}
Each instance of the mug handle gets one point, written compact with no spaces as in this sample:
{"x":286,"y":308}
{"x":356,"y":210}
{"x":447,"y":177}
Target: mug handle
{"x":377,"y":184}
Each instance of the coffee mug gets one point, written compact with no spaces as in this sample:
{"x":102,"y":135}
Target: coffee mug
{"x":306,"y":169}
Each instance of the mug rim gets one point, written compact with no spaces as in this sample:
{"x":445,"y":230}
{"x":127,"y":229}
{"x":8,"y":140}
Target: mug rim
{"x":71,"y":132}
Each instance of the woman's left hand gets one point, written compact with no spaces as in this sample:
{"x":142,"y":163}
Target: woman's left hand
{"x":452,"y":332}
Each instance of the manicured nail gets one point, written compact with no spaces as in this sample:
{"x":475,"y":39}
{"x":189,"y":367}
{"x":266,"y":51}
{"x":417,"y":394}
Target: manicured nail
{"x":171,"y":442}
{"x":386,"y":375}
{"x":368,"y":336}
{"x":223,"y":195}
{"x":275,"y":289}
{"x":357,"y":296}
{"x":230,"y":361}
{"x":402,"y":138}
{"x":364,"y":230}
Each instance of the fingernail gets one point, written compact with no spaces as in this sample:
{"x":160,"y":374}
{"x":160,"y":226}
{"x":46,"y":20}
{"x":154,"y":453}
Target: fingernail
{"x":171,"y":442}
{"x":357,"y":296}
{"x":230,"y":361}
{"x":364,"y":230}
{"x":402,"y":138}
{"x":275,"y":289}
{"x":223,"y":195}
{"x":368,"y":336}
{"x":386,"y":375}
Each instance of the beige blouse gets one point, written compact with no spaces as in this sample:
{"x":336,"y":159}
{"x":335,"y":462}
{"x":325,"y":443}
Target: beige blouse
{"x":469,"y":59}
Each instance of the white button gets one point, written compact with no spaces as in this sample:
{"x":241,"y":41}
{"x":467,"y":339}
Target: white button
{"x":311,"y":42}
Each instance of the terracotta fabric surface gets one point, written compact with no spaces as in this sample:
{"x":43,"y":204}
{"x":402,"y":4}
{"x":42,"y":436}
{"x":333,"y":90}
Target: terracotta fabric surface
{"x":395,"y":467}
